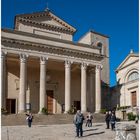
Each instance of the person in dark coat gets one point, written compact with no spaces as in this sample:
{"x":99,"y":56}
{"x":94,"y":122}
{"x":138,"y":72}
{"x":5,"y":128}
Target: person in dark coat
{"x":78,"y":121}
{"x":113,"y":121}
{"x":107,"y":119}
{"x":29,"y":119}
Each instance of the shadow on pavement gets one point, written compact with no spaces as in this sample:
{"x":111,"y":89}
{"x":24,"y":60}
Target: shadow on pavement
{"x":99,"y":125}
{"x":90,"y":130}
{"x":43,"y":126}
{"x":94,"y":134}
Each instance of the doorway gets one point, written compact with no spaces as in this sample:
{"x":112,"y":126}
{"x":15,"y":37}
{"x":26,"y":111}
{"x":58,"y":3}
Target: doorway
{"x":49,"y":101}
{"x":77,"y":104}
{"x":11,"y":106}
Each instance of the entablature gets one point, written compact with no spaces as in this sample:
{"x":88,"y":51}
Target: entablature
{"x":46,"y":48}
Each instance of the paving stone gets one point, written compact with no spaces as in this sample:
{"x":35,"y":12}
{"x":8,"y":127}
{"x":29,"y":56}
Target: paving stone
{"x":57,"y":132}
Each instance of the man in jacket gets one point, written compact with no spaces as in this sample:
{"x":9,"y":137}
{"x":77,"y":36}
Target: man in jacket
{"x":78,"y":121}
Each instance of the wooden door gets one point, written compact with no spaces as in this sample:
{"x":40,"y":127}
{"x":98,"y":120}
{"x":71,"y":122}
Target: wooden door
{"x":11,"y":106}
{"x":134,"y":98}
{"x":50,"y":101}
{"x":77,"y":104}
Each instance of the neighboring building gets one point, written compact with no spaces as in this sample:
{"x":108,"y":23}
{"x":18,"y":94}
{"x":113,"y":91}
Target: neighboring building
{"x":43,"y":68}
{"x":126,"y":92}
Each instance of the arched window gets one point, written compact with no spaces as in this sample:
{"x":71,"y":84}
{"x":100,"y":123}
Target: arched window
{"x":133,"y":76}
{"x":99,"y":45}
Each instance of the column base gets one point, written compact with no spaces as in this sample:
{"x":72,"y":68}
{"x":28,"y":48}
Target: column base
{"x":66,"y":112}
{"x":22,"y":112}
{"x":84,"y":111}
{"x":40,"y":112}
{"x":97,"y":111}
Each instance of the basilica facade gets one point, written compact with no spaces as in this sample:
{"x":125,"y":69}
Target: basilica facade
{"x":42,"y":67}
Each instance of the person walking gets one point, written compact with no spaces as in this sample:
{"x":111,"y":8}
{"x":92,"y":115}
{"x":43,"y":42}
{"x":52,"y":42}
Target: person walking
{"x":113,"y":121}
{"x":29,"y":119}
{"x":78,"y":121}
{"x":89,"y":120}
{"x":107,"y":119}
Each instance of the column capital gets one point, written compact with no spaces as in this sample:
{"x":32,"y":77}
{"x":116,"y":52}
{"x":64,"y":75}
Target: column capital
{"x":99,"y":67}
{"x":84,"y":65}
{"x":23,"y":58}
{"x":68,"y":63}
{"x":43,"y":60}
{"x":3,"y":53}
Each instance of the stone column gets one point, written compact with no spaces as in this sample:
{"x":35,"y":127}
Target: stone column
{"x":98,"y":89}
{"x":67,"y":86}
{"x":22,"y":92}
{"x":83,"y":87}
{"x":3,"y":77}
{"x":43,"y":99}
{"x":92,"y":89}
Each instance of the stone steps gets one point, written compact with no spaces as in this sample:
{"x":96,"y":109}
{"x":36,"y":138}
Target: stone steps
{"x":20,"y":119}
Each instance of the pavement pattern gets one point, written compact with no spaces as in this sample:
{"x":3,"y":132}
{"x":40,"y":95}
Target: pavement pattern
{"x":58,"y":132}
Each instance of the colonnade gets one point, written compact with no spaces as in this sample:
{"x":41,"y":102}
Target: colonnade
{"x":42,"y":94}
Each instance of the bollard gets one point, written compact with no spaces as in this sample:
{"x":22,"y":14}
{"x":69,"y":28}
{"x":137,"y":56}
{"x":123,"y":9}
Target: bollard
{"x":125,"y":132}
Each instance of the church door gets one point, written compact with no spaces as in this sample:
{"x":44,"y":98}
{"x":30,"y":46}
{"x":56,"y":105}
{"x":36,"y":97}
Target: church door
{"x":50,"y":101}
{"x":134,"y":98}
{"x":77,"y":104}
{"x":11,"y":106}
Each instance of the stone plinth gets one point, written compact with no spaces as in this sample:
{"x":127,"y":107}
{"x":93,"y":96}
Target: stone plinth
{"x":125,"y":132}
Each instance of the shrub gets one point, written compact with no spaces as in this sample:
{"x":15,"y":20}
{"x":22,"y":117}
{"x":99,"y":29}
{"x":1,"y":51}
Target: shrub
{"x":3,"y":111}
{"x":103,"y":111}
{"x":71,"y":111}
{"x":123,"y":107}
{"x":131,"y":116}
{"x":44,"y":111}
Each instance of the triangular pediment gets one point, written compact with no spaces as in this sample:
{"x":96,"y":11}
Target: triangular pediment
{"x":46,"y":18}
{"x":131,"y":58}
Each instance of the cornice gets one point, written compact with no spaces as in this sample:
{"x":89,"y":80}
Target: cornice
{"x":129,"y":82}
{"x":44,"y":25}
{"x":127,"y":65}
{"x":13,"y":43}
{"x":49,"y":38}
{"x":46,"y":13}
{"x":29,"y":18}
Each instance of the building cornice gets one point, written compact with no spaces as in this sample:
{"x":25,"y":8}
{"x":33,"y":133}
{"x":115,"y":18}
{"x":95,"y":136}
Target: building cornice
{"x":129,"y":82}
{"x":45,"y":26}
{"x":29,"y":18}
{"x":126,"y":59}
{"x":48,"y":38}
{"x":127,"y":65}
{"x":26,"y":45}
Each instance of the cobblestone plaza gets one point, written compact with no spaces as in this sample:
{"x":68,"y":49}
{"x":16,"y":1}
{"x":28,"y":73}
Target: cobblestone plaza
{"x":58,"y":132}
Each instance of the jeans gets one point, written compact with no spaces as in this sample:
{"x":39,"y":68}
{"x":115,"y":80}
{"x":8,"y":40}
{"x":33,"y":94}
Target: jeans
{"x":89,"y":123}
{"x":112,"y":126}
{"x":107,"y":124}
{"x":29,"y":123}
{"x":79,"y":129}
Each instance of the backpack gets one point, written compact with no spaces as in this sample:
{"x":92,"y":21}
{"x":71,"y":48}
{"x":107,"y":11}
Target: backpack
{"x":79,"y":119}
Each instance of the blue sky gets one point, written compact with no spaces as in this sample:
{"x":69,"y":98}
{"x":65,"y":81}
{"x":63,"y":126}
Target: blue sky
{"x":116,"y":18}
